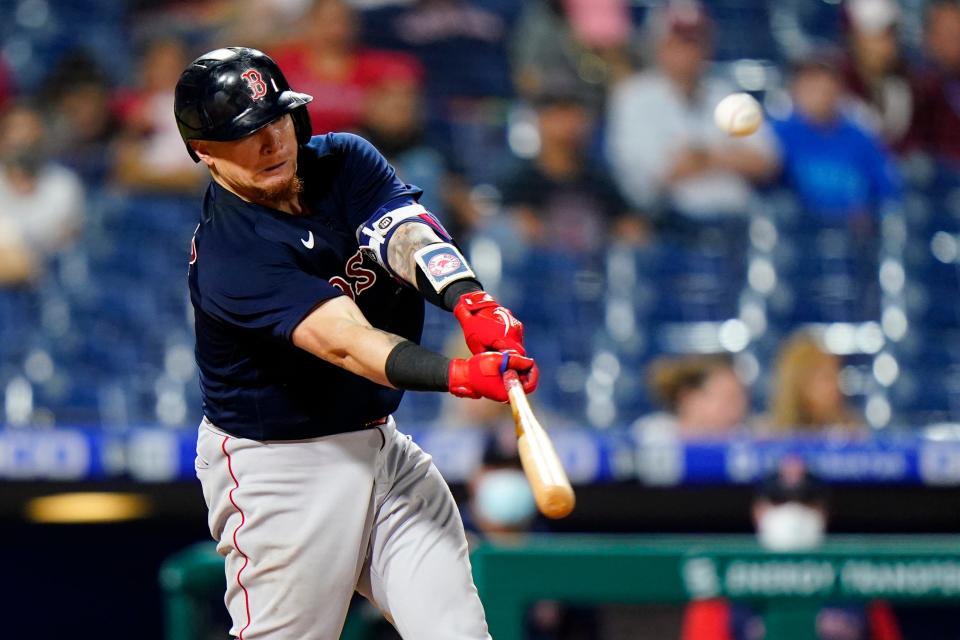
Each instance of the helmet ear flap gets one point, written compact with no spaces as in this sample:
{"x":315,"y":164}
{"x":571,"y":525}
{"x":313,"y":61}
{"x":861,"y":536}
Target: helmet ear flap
{"x":302,"y":125}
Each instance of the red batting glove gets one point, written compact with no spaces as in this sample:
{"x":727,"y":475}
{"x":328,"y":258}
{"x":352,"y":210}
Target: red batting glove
{"x":481,"y":376}
{"x":486,"y":325}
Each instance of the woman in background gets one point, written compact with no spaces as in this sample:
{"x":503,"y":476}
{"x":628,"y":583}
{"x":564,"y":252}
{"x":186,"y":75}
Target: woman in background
{"x":700,"y":395}
{"x":807,"y":394}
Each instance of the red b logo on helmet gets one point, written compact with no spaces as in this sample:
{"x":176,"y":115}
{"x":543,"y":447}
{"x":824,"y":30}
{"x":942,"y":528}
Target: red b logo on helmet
{"x":258,"y":88}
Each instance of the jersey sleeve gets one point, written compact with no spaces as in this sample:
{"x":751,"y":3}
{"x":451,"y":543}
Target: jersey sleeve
{"x":370,"y":181}
{"x":268,"y":294}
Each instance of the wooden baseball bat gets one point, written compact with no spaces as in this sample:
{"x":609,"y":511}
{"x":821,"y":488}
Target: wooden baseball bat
{"x":549,"y":482}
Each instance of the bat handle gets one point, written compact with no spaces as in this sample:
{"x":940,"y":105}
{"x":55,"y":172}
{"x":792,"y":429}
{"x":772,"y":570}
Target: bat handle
{"x":516,"y":396}
{"x":510,"y":379}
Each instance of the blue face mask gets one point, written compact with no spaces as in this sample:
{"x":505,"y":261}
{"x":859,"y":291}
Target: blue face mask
{"x":504,"y":498}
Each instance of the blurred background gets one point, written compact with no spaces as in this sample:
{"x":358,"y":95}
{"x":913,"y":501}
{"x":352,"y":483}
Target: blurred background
{"x":725,"y":326}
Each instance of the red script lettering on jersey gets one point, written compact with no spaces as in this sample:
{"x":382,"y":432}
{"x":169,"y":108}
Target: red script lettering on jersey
{"x":360,"y":278}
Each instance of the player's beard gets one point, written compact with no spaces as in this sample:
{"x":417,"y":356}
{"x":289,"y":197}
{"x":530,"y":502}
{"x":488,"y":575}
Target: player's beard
{"x":278,"y":194}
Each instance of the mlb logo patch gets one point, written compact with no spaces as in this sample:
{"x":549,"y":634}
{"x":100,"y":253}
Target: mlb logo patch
{"x":442,"y":263}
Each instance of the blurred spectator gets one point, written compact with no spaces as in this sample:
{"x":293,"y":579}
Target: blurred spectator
{"x":500,"y":502}
{"x":936,"y":128}
{"x":6,"y":84}
{"x":326,"y":61}
{"x":574,"y":42}
{"x":259,"y":23}
{"x":251,"y":23}
{"x":790,"y":513}
{"x":559,"y":198}
{"x":150,"y":155}
{"x":83,"y":121}
{"x":393,"y":120}
{"x":702,"y":396}
{"x":462,"y":42}
{"x":875,"y":71}
{"x":807,"y":393}
{"x":500,"y":508}
{"x":662,"y":141}
{"x":463,"y":45}
{"x":41,"y":203}
{"x":790,"y":508}
{"x":838,"y":170}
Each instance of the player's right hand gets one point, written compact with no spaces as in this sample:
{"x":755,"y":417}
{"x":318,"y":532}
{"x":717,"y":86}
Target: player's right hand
{"x":481,"y":376}
{"x":488,"y":326}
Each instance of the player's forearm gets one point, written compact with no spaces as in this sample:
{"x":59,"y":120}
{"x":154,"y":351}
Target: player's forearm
{"x":409,"y":366}
{"x":401,"y":254}
{"x":360,"y":349}
{"x":337,"y":332}
{"x":367,"y":355}
{"x":385,"y":358}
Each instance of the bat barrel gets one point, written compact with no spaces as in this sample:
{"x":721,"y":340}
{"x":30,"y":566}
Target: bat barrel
{"x":556,"y":502}
{"x":548,"y":480}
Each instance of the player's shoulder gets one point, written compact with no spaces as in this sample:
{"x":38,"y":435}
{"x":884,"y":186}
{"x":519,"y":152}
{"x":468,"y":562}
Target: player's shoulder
{"x":342,"y":144}
{"x":338,"y":160}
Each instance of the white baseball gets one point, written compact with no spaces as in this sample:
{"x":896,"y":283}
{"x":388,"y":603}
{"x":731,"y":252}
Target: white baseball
{"x":739,"y":114}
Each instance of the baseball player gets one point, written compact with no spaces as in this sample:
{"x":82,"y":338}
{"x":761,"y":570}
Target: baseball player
{"x":307,"y":275}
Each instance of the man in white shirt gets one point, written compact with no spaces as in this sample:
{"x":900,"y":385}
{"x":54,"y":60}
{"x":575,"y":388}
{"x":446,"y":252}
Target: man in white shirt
{"x":41,"y":204}
{"x":665,"y":150}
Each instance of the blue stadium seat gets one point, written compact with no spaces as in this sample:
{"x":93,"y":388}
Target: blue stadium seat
{"x":44,"y":32}
{"x":737,"y":17}
{"x":923,"y":395}
{"x":826,"y":271}
{"x":681,"y":284}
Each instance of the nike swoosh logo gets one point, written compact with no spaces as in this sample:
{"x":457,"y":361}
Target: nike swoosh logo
{"x":501,"y":313}
{"x":308,"y":241}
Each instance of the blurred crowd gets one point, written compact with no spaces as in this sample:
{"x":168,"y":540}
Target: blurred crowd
{"x":544,"y":133}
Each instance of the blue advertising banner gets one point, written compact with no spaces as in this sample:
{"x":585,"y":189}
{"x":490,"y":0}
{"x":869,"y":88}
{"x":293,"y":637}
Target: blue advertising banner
{"x":163,"y":455}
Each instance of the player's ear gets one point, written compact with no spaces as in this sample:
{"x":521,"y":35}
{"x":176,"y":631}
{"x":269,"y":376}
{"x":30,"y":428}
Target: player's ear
{"x":200,"y":148}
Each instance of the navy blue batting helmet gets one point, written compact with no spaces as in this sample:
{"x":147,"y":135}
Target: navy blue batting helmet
{"x":229,"y":93}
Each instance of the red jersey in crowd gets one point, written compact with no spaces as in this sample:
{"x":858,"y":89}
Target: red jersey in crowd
{"x":338,"y":101}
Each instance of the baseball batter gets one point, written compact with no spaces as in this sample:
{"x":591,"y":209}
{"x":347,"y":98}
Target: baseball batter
{"x":308,"y":272}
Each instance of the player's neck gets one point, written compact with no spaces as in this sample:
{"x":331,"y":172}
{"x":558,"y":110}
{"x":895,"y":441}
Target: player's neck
{"x":287,"y":201}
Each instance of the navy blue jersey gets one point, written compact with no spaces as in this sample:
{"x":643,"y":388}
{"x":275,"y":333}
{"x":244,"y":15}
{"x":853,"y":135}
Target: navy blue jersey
{"x":256,"y":273}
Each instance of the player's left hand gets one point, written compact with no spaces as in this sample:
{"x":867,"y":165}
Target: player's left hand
{"x":488,"y":326}
{"x":481,"y":375}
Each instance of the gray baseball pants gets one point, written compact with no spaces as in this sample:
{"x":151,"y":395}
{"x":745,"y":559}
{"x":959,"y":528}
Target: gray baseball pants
{"x":303,"y":524}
